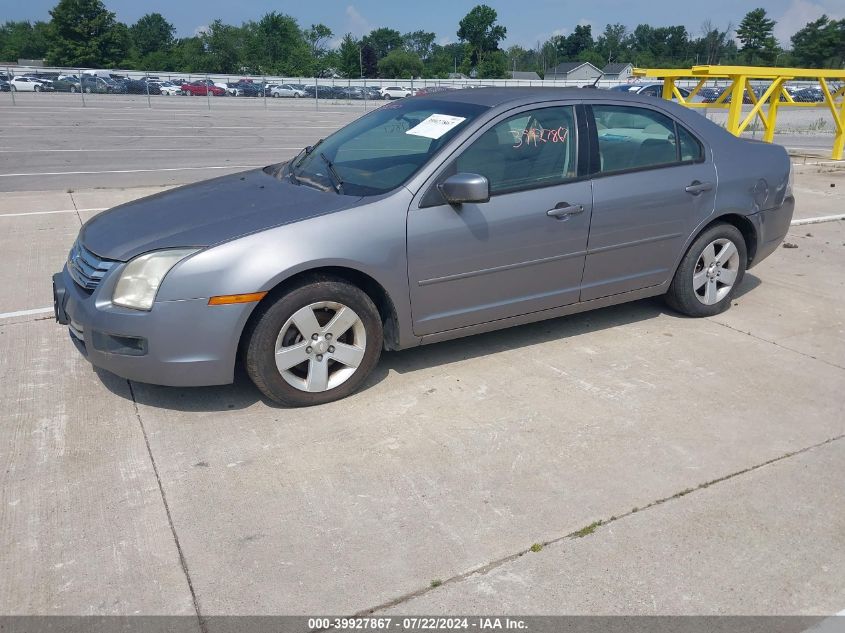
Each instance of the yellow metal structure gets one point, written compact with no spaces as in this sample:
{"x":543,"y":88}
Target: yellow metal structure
{"x":766,"y":106}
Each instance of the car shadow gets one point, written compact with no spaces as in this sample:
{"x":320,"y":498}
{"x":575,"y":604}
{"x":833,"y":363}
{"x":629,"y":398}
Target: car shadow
{"x":242,"y":393}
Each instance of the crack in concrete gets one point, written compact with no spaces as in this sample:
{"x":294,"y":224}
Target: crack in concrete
{"x":776,"y":344}
{"x":75,"y":208}
{"x":580,"y":533}
{"x":182,"y":561}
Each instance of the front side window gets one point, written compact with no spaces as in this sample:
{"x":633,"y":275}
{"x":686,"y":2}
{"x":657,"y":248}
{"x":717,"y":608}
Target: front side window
{"x":382,"y":150}
{"x":633,"y":138}
{"x":531,"y":149}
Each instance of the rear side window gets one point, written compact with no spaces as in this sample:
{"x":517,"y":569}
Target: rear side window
{"x":633,"y":138}
{"x":528,"y":150}
{"x":691,"y":149}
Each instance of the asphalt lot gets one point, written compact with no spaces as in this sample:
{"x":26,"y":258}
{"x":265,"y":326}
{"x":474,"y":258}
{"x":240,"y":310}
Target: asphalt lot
{"x":712,"y":451}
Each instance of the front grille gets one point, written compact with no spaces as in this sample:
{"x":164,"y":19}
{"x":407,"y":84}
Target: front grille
{"x":86,"y":268}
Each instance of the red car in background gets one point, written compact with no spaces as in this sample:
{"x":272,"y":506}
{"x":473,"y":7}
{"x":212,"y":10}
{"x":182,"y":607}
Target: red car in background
{"x":202,"y":87}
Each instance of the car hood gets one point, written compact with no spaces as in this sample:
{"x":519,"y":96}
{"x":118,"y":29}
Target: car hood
{"x":206,"y":213}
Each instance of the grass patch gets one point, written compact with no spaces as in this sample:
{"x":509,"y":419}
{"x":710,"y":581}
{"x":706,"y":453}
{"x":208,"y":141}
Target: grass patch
{"x":436,"y":583}
{"x":537,"y":547}
{"x":586,"y":531}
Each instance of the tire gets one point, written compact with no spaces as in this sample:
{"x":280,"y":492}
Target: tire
{"x":296,"y":95}
{"x":273,"y":328}
{"x":73,"y":89}
{"x":14,"y":88}
{"x":36,"y":88}
{"x":699,"y":287}
{"x":88,"y":90}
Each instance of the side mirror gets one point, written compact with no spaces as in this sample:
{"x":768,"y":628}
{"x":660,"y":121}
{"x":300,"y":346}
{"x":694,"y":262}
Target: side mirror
{"x":465,"y":188}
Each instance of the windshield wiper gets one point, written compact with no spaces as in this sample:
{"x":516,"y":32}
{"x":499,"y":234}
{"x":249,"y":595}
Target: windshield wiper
{"x":338,"y":182}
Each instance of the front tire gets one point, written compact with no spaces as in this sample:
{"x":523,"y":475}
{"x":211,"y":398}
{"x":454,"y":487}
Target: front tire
{"x":710,"y":272}
{"x":314,"y":344}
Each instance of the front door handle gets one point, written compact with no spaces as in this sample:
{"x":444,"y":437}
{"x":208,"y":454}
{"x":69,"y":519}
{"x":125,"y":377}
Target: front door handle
{"x":564,"y":210}
{"x":696,"y":187}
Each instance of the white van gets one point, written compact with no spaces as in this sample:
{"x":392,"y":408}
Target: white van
{"x":105,"y":74}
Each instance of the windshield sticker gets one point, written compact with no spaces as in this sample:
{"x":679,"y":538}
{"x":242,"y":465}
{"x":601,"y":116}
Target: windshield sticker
{"x":533,"y":136}
{"x":436,"y":125}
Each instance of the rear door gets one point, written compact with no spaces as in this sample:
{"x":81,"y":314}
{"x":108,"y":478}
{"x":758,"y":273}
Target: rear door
{"x":520,"y":252}
{"x":653,"y":182}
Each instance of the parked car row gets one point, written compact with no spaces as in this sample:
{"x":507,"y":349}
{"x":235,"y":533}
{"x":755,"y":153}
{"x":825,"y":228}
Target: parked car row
{"x":106,"y":82}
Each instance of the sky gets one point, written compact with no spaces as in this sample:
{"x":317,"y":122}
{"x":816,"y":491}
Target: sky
{"x":527,"y":21}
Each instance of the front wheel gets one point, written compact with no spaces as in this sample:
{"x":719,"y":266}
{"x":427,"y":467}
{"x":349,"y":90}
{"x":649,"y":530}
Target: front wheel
{"x":315,"y":344}
{"x":36,"y":88}
{"x":710,"y":272}
{"x":73,"y":88}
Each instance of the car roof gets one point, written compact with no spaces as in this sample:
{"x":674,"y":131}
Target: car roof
{"x":526,"y":95}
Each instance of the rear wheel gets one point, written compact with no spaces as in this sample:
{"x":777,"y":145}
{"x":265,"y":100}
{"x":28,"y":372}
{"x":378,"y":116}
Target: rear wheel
{"x":73,"y":88}
{"x":36,"y":88}
{"x":315,"y":344}
{"x":710,"y":272}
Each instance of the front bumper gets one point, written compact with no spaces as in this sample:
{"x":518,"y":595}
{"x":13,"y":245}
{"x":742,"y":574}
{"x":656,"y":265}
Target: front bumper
{"x":178,"y":343}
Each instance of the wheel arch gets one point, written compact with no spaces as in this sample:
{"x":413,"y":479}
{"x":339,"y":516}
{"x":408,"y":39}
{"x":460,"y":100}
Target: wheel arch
{"x":372,"y":288}
{"x":739,"y":220}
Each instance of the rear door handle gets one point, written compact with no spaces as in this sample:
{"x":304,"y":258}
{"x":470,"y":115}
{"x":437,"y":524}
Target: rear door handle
{"x":696,"y":187}
{"x":564,"y":210}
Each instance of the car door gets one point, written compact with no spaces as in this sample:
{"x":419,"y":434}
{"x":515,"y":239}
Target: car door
{"x":653,"y":182}
{"x":520,"y":252}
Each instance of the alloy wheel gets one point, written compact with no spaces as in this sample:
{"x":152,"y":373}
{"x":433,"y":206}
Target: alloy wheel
{"x":715,"y":271}
{"x":320,"y":346}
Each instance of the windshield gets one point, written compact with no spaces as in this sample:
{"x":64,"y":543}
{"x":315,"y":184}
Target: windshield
{"x":382,"y":150}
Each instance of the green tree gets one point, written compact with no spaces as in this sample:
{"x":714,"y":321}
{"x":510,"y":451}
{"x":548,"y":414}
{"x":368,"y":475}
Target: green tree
{"x":479,"y":30}
{"x":400,"y":64}
{"x":444,"y":59}
{"x":494,"y":65}
{"x":151,"y":33}
{"x":820,"y":43}
{"x":276,"y":45}
{"x":421,"y":43}
{"x":579,"y":41}
{"x":224,"y":46}
{"x":369,"y":59}
{"x":317,"y":36}
{"x":613,"y":44}
{"x":85,"y":33}
{"x":23,"y":40}
{"x":383,"y":40}
{"x":349,"y":52}
{"x":756,"y":34}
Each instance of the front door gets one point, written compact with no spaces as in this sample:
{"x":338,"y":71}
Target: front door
{"x":653,"y":184}
{"x":520,"y":252}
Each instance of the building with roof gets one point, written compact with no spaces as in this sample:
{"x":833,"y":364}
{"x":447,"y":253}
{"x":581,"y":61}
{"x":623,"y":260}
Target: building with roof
{"x":573,"y":71}
{"x":524,"y":75}
{"x":617,"y":72}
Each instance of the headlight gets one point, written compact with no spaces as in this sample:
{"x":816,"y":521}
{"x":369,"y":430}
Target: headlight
{"x":138,"y":283}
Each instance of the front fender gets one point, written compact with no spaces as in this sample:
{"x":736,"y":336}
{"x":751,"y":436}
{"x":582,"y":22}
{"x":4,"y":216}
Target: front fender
{"x":369,"y":239}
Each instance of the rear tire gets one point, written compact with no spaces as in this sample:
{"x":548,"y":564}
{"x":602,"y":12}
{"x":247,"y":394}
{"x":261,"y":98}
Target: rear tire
{"x":282,"y":329}
{"x":710,"y":273}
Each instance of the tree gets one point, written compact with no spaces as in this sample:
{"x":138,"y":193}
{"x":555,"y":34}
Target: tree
{"x":23,"y":40}
{"x":479,"y":30}
{"x":579,"y":41}
{"x":756,"y":34}
{"x":349,"y":52}
{"x":400,"y":64}
{"x":613,"y":44}
{"x":820,"y":43}
{"x":421,"y":43}
{"x":274,"y":44}
{"x":712,"y":45}
{"x":369,"y":60}
{"x":316,"y":36}
{"x":494,"y":65}
{"x":151,"y":33}
{"x":383,"y":40}
{"x":85,"y":33}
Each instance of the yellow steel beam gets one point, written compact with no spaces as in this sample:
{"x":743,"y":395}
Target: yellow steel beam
{"x":775,"y":95}
{"x":763,"y":72}
{"x":838,"y":120}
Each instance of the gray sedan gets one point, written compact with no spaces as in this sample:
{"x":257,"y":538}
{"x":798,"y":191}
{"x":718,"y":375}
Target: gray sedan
{"x":428,"y":219}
